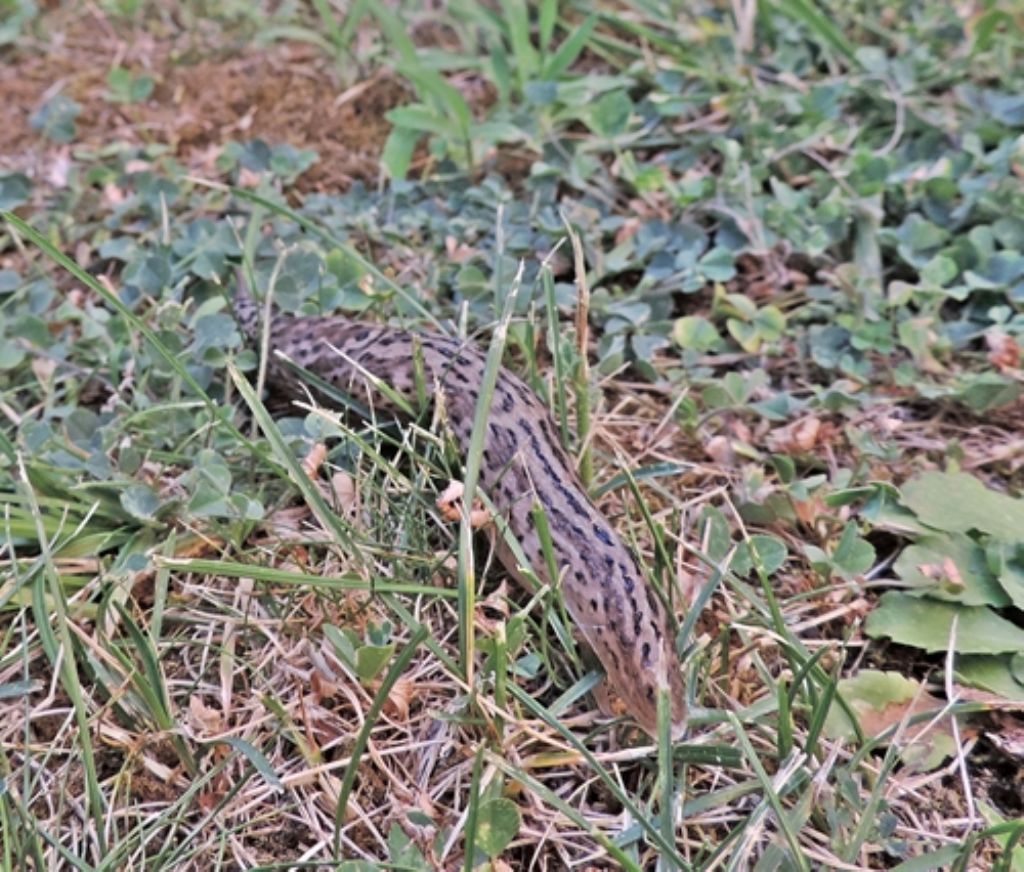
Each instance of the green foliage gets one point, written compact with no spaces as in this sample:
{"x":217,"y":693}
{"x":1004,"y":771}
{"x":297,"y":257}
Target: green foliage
{"x":126,"y":87}
{"x":498,"y":822}
{"x":852,"y":557}
{"x":15,"y":16}
{"x":367,"y":659}
{"x":15,"y":189}
{"x":55,"y":119}
{"x":792,"y":227}
{"x":282,"y":162}
{"x":766,"y":554}
{"x":966,"y":566}
{"x":886,"y":704}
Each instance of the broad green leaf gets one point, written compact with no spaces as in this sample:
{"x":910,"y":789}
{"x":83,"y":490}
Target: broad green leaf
{"x":952,"y":567}
{"x":126,"y":87}
{"x":140,"y":501}
{"x":957,"y":502}
{"x":344,"y":645}
{"x":55,"y":119}
{"x":714,"y":534}
{"x":498,"y":823}
{"x":371,"y":660}
{"x":1006,"y":561}
{"x":345,"y":268}
{"x":14,"y":190}
{"x":398,"y":150}
{"x":696,"y":333}
{"x":853,"y":555}
{"x":988,"y":390}
{"x":882,"y":701}
{"x":719,"y":265}
{"x":746,"y":335}
{"x":927,"y":624}
{"x":402,"y":850}
{"x":609,"y":116}
{"x":771,"y":323}
{"x":17,"y":14}
{"x":10,"y":355}
{"x":991,"y":672}
{"x":767,"y":551}
{"x":920,"y":239}
{"x":288,"y":162}
{"x":939,"y":271}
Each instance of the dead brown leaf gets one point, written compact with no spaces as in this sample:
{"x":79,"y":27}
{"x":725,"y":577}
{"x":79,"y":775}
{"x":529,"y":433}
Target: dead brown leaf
{"x":800,"y":437}
{"x":1003,"y":350}
{"x":206,"y":720}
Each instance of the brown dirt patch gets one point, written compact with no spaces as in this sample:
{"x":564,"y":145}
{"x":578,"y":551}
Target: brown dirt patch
{"x":287,"y":93}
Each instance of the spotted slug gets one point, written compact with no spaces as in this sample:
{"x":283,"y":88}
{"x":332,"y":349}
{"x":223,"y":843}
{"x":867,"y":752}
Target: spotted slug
{"x":524,"y":464}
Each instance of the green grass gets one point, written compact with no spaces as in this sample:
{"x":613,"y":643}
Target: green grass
{"x":764,"y":262}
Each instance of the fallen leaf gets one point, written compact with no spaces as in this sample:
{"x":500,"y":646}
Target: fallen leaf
{"x":719,"y":449}
{"x":249,"y":178}
{"x":627,"y":231}
{"x":113,"y":196}
{"x":397,"y":705}
{"x":458,"y":252}
{"x":57,"y":175}
{"x":344,"y":494}
{"x":449,"y":504}
{"x":887,"y":701}
{"x":43,"y":369}
{"x":800,"y":437}
{"x":206,"y":720}
{"x":314,"y":459}
{"x":1003,"y":350}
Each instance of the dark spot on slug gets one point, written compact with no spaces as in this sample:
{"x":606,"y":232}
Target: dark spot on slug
{"x":652,"y":602}
{"x":522,"y":390}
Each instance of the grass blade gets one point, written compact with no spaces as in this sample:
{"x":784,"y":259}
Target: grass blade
{"x":359,"y":746}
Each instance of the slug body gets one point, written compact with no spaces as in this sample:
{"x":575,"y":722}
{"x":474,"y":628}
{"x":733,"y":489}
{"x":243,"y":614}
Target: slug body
{"x":605,"y":592}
